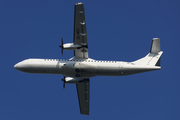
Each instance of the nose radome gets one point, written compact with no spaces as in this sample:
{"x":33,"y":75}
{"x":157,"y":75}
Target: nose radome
{"x":16,"y":66}
{"x":19,"y":66}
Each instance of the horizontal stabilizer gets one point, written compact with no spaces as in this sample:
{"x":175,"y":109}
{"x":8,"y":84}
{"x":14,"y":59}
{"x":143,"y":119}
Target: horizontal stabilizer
{"x":152,"y":58}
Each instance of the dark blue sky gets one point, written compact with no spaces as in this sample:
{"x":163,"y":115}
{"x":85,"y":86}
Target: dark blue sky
{"x":116,"y":30}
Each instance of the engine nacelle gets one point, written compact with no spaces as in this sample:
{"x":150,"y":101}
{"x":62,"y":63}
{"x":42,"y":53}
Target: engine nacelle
{"x":72,"y":80}
{"x":71,"y":46}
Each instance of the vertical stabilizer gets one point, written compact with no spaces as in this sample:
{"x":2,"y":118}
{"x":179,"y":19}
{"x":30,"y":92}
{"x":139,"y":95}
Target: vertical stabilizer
{"x":155,"y":46}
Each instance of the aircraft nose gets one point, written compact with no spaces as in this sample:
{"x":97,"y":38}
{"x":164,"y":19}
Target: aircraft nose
{"x":16,"y":66}
{"x":19,"y":66}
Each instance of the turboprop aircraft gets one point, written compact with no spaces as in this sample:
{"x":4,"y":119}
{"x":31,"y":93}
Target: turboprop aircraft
{"x":80,"y":68}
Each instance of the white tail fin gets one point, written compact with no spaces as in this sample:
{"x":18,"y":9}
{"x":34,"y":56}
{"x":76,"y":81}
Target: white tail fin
{"x":153,"y":58}
{"x":155,"y":46}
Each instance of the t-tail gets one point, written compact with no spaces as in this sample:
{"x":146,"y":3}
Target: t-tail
{"x":154,"y":57}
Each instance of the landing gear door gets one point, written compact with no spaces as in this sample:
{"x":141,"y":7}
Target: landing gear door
{"x":120,"y":64}
{"x":67,"y":69}
{"x":77,"y":67}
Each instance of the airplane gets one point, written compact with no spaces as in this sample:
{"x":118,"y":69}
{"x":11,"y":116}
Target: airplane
{"x":80,"y":68}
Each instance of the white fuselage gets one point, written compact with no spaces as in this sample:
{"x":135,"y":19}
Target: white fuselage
{"x":82,"y":68}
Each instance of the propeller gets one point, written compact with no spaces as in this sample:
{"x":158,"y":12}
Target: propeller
{"x":61,"y":46}
{"x":64,"y":81}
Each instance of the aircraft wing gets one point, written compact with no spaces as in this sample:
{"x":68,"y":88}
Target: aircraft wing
{"x":83,"y":96}
{"x":80,"y":35}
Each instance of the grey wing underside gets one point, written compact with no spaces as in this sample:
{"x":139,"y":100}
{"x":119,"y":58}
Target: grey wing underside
{"x":80,"y":38}
{"x":83,"y":96}
{"x":80,"y":35}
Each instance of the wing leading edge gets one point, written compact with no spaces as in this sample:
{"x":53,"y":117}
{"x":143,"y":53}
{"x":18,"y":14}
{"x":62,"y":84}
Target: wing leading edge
{"x":80,"y":35}
{"x":83,"y":96}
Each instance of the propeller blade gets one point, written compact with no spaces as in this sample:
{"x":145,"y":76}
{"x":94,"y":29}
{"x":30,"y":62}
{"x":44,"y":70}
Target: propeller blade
{"x":64,"y":81}
{"x":61,"y":46}
{"x":64,"y":84}
{"x":61,"y":51}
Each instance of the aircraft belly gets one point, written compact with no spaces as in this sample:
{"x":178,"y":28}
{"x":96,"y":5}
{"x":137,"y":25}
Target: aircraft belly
{"x":120,"y":69}
{"x":79,"y":69}
{"x":129,"y":69}
{"x":107,"y":69}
